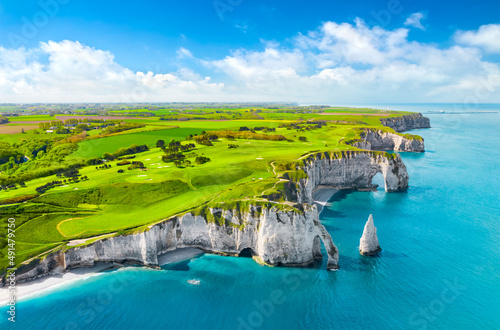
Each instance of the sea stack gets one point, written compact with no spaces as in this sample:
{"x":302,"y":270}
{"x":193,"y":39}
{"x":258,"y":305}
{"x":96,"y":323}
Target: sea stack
{"x":368,"y":244}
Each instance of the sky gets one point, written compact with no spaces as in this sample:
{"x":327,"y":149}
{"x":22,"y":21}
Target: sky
{"x":309,"y":52}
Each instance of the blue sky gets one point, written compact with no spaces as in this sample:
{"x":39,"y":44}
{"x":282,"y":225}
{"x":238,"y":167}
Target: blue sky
{"x":229,"y":50}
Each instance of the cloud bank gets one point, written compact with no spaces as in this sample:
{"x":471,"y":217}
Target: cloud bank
{"x":338,"y":63}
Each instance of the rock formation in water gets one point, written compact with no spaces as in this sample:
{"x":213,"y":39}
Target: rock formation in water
{"x":406,"y":123}
{"x":368,"y":244}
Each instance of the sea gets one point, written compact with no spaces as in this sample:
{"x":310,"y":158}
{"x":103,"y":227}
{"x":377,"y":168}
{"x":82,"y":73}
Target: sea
{"x":439,"y":267}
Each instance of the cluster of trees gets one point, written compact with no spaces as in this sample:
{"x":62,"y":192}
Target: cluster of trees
{"x":133,"y":149}
{"x":205,"y":138}
{"x":12,"y":186}
{"x":69,"y":173}
{"x":3,"y":120}
{"x":253,"y":130}
{"x":302,"y":139}
{"x":122,"y":127}
{"x":175,"y":146}
{"x":174,"y":152}
{"x":231,"y":135}
{"x":49,"y":124}
{"x":103,"y":167}
{"x":136,"y":165}
{"x":201,"y":160}
{"x":93,"y":161}
{"x":304,"y":126}
{"x":47,"y":186}
{"x":43,"y":152}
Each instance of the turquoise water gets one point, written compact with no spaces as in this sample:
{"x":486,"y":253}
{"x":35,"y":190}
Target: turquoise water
{"x":439,"y":268}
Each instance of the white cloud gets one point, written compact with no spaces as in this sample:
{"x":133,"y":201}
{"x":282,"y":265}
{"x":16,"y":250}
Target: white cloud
{"x":487,"y":37}
{"x":335,"y":64}
{"x":415,"y":20}
{"x":78,"y":73}
{"x":184,"y":53}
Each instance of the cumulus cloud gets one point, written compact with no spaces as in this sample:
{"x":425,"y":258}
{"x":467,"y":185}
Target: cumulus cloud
{"x":487,"y":37}
{"x":79,"y":73}
{"x":352,"y":63}
{"x":337,"y":63}
{"x":415,"y":20}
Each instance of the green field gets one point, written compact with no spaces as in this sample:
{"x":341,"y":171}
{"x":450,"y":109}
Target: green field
{"x":107,"y":201}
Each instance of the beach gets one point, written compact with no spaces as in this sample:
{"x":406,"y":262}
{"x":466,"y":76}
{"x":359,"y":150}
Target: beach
{"x":40,"y":285}
{"x":322,"y":195}
{"x":45,"y":283}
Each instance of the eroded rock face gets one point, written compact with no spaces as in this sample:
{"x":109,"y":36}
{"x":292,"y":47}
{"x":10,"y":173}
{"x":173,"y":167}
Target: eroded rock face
{"x":406,"y":123}
{"x":380,"y":140}
{"x":350,"y":170}
{"x":368,"y":244}
{"x":274,"y":236}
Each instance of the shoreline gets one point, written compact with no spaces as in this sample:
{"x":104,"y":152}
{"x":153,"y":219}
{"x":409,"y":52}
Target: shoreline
{"x":322,"y":195}
{"x":47,"y":283}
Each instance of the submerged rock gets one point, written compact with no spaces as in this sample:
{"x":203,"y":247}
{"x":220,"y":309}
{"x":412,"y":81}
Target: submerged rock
{"x":368,"y":244}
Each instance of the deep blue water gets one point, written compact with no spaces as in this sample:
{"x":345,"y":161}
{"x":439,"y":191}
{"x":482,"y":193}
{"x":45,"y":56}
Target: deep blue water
{"x":439,"y":268}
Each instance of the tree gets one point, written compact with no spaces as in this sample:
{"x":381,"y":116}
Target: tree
{"x":160,"y":144}
{"x":302,"y":139}
{"x":83,"y":127}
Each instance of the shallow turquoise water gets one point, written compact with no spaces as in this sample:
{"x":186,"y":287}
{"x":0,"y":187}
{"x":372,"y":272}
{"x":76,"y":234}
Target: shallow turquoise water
{"x":439,"y":268}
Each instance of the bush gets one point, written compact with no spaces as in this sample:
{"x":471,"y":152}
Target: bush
{"x":120,"y":171}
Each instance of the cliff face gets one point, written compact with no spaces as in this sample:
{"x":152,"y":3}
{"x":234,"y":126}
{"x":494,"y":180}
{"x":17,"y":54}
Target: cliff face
{"x":275,"y":237}
{"x":380,"y":140}
{"x":406,"y":123}
{"x":349,"y":170}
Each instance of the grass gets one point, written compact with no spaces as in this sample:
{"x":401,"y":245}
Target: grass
{"x":96,"y":147}
{"x":110,"y":201}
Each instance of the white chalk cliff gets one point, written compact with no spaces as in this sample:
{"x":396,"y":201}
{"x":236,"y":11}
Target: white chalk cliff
{"x":406,"y":123}
{"x":368,"y":244}
{"x":273,"y":236}
{"x":372,"y":139}
{"x":347,"y":170}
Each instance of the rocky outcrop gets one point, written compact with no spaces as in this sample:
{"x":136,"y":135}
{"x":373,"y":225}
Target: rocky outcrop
{"x":274,"y":237}
{"x":371,"y":139}
{"x":348,"y":170}
{"x":368,"y":244}
{"x":406,"y":123}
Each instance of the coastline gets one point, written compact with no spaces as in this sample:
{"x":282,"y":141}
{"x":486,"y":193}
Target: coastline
{"x":322,"y":195}
{"x":43,"y":284}
{"x":50,"y":282}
